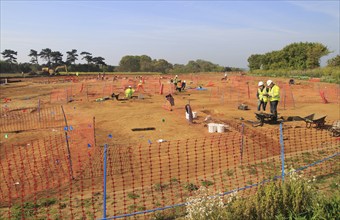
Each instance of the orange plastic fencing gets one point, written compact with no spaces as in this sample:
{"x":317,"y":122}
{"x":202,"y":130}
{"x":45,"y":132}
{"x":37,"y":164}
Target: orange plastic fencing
{"x":237,"y":89}
{"x":142,"y":177}
{"x":30,"y":119}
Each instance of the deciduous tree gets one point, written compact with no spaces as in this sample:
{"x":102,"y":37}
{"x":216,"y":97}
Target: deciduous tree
{"x":161,"y":65}
{"x":129,"y":64}
{"x":297,"y":56}
{"x":334,"y":62}
{"x":145,"y":63}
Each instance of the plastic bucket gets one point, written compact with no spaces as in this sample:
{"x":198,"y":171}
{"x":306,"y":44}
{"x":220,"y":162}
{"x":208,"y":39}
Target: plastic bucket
{"x":212,"y":127}
{"x":194,"y":115}
{"x":220,"y":128}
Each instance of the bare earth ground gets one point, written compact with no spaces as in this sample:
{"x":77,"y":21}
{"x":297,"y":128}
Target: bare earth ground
{"x":112,"y":120}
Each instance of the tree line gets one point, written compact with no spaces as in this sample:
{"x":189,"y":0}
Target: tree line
{"x":295,"y":56}
{"x":52,"y":59}
{"x":127,"y":63}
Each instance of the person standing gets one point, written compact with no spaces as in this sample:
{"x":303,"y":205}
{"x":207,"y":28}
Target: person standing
{"x":274,"y":97}
{"x":140,"y":86}
{"x":261,"y":95}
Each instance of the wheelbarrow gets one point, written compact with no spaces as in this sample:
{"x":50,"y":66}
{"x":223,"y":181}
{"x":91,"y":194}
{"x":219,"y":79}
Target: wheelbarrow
{"x":264,"y":117}
{"x":317,"y":122}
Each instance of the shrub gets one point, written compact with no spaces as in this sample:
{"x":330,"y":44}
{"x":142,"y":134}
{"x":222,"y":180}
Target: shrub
{"x":293,"y":198}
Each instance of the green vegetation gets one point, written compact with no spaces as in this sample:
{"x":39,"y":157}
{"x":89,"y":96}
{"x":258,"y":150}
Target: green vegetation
{"x":160,"y":187}
{"x":295,"y":56}
{"x":191,"y":187}
{"x":207,"y":183}
{"x":327,"y":74}
{"x":229,"y":172}
{"x":135,"y":64}
{"x":132,"y":195}
{"x":295,"y":198}
{"x":28,"y":209}
{"x":298,"y":61}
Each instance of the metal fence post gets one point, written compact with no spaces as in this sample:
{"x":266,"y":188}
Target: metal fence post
{"x":282,"y":153}
{"x":67,"y":143}
{"x":104,"y":188}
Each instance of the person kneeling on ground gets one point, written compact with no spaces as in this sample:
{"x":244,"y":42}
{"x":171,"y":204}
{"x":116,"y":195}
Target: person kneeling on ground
{"x":129,"y":92}
{"x":183,"y":85}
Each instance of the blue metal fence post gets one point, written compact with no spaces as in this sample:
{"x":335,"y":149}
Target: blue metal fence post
{"x":104,"y":188}
{"x":282,"y":154}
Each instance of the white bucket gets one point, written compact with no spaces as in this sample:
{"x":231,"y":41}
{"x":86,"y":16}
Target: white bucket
{"x":194,"y":115}
{"x":220,"y":128}
{"x":212,"y":127}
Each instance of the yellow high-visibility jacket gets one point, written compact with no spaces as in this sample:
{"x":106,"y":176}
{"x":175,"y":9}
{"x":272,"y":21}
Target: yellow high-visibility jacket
{"x":261,"y":94}
{"x":274,"y":93}
{"x":129,"y":92}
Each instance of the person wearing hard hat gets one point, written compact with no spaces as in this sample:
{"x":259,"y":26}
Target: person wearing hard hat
{"x":261,"y":95}
{"x":273,"y":96}
{"x":183,"y":85}
{"x":129,"y":92}
{"x":175,"y":81}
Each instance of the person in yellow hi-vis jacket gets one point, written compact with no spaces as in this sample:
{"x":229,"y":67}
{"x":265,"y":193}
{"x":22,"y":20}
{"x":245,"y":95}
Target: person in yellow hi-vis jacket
{"x":261,"y":96}
{"x":274,"y":97}
{"x":129,"y":92}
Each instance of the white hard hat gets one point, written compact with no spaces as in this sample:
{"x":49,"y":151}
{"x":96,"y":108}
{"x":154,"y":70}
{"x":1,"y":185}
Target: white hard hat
{"x":176,"y":76}
{"x":269,"y":82}
{"x":129,"y":86}
{"x":260,"y":83}
{"x":184,"y":81}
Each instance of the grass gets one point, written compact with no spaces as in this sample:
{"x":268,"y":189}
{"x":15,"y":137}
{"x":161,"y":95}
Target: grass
{"x":207,"y":183}
{"x":252,"y":170}
{"x":229,"y":172}
{"x":160,"y":187}
{"x":132,"y":195}
{"x":190,"y":187}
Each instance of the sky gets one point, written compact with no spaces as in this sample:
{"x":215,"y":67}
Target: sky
{"x":222,"y":32}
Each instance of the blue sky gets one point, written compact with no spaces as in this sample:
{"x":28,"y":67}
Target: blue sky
{"x":223,"y":32}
